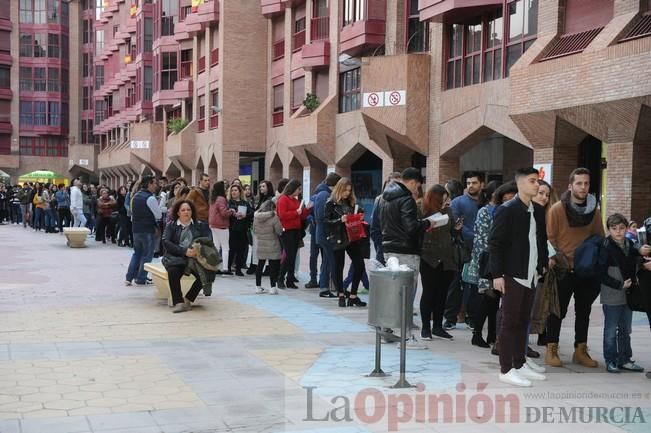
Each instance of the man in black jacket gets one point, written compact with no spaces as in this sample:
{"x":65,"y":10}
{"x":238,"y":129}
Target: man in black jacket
{"x":517,"y":248}
{"x":402,"y":230}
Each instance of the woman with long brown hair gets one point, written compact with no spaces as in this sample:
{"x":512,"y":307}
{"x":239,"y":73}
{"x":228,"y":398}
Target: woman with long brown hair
{"x":437,"y":263}
{"x":338,"y":208}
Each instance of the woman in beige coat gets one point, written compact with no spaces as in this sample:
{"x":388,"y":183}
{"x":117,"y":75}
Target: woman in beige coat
{"x":267,"y":229}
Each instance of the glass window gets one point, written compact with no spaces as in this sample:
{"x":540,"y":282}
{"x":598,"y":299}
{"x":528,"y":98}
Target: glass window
{"x":25,"y":49}
{"x":39,"y":113}
{"x":99,"y":76}
{"x":417,"y":30}
{"x":39,"y":80}
{"x":298,"y":92}
{"x":53,"y":80}
{"x":5,"y":79}
{"x":350,"y":97}
{"x":65,"y":47}
{"x":26,"y":117}
{"x":53,"y":15}
{"x":26,"y":12}
{"x":86,"y":96}
{"x":40,"y":9}
{"x":25,"y":76}
{"x":168,"y":71}
{"x":148,"y":77}
{"x":169,"y":17}
{"x":148,"y":35}
{"x":99,"y":41}
{"x":53,"y":114}
{"x":354,"y":10}
{"x":53,"y":46}
{"x":40,"y":44}
{"x":279,"y":98}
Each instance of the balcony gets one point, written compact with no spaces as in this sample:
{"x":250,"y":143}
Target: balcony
{"x":145,"y":146}
{"x":279,"y":49}
{"x":368,"y":32}
{"x":183,"y":88}
{"x":214,"y":121}
{"x":206,"y":14}
{"x":272,"y":7}
{"x":201,"y":125}
{"x":182,"y":146}
{"x":320,"y":29}
{"x":316,"y":54}
{"x":435,"y":9}
{"x":314,"y":132}
{"x":404,"y":118}
{"x":277,"y":118}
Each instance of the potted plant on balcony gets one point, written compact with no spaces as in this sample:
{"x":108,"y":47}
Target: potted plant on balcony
{"x":311,"y":102}
{"x":176,"y":125}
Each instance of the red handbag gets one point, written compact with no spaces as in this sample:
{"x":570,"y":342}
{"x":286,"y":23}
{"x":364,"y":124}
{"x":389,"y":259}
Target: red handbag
{"x":355,"y":227}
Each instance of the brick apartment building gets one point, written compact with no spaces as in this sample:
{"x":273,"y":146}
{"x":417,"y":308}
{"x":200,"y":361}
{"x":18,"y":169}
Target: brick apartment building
{"x":444,"y":85}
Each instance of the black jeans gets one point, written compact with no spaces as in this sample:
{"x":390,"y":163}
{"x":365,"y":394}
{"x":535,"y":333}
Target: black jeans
{"x":585,"y":291}
{"x":104,"y":227}
{"x":314,"y":257}
{"x":290,"y":241}
{"x":487,"y":307}
{"x":454,"y":298}
{"x":436,"y":282}
{"x":174,"y":275}
{"x":237,"y":246}
{"x":64,"y":217}
{"x":124,"y":235}
{"x":516,"y":314}
{"x":355,"y":253}
{"x":274,"y":268}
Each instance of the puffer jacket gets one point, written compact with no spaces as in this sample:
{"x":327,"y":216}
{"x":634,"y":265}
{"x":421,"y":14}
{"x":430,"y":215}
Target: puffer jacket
{"x":402,"y":230}
{"x":267,"y":229}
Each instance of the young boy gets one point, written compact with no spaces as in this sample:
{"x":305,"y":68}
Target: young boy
{"x":617,"y":277}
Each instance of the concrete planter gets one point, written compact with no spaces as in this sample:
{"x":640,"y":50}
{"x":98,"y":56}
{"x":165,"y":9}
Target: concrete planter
{"x":161,"y":282}
{"x":76,"y":236}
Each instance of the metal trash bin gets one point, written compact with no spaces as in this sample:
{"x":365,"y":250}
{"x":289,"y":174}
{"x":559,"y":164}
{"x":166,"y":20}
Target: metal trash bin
{"x":385,"y":297}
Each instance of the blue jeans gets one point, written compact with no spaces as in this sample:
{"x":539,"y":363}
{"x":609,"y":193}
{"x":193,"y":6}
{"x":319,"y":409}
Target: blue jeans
{"x":327,"y":259}
{"x":50,"y":218}
{"x":617,"y":334}
{"x":39,"y":218}
{"x":143,"y":252}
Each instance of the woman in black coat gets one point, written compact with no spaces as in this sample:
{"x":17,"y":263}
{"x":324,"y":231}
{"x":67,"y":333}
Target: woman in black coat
{"x":178,"y":238}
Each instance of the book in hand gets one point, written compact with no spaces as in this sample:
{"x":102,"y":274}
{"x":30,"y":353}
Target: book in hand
{"x":241,"y":210}
{"x":438,"y":220}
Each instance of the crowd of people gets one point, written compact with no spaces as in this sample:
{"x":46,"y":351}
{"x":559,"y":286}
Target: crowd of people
{"x":505,"y":256}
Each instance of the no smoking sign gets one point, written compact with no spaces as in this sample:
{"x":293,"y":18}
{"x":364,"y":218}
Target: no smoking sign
{"x":392,"y":98}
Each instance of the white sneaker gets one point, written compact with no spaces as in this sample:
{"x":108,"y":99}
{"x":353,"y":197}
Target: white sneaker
{"x":513,"y":378}
{"x":528,"y":373}
{"x":535,"y":367}
{"x":413,"y":344}
{"x":259,"y":290}
{"x":273,"y":291}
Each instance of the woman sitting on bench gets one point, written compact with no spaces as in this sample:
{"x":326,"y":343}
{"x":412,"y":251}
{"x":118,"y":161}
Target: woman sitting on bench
{"x":177,"y":239}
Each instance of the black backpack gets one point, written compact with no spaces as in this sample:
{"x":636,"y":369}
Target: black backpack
{"x":590,"y":257}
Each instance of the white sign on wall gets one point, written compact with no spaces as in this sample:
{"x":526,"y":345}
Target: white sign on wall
{"x":140,"y":144}
{"x":545,"y":172}
{"x":83,"y":162}
{"x":391,"y":98}
{"x":331,"y":169}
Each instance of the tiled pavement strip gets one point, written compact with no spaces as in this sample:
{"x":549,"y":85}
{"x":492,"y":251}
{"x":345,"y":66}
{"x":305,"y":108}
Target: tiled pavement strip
{"x":80,"y":352}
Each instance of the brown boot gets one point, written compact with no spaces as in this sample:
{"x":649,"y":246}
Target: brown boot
{"x":582,"y":357}
{"x":551,"y":356}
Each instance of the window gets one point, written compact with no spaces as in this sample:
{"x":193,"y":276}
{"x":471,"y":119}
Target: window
{"x":26,"y":116}
{"x":350,"y":97}
{"x":53,"y":114}
{"x":25,"y":77}
{"x":53,"y":46}
{"x":39,"y":80}
{"x":472,"y":59}
{"x":168,"y":71}
{"x":417,"y":31}
{"x":87,"y":37}
{"x":148,"y":83}
{"x":99,"y":76}
{"x":99,"y":112}
{"x":87,"y":93}
{"x":523,"y":27}
{"x":186,"y":63}
{"x":149,"y":35}
{"x":354,"y":10}
{"x":25,"y":48}
{"x":65,"y":79}
{"x":493,"y":54}
{"x":99,"y":8}
{"x":26,"y":12}
{"x":169,"y":17}
{"x":278,"y":107}
{"x":5,"y":79}
{"x":455,"y":56}
{"x":85,"y":65}
{"x":65,"y":47}
{"x":298,"y":93}
{"x":214,"y":109}
{"x":39,"y":113}
{"x":53,"y":80}
{"x":299,"y":33}
{"x":53,"y":15}
{"x":5,"y":139}
{"x":40,"y":44}
{"x":39,"y":11}
{"x":201,"y":126}
{"x":99,"y":41}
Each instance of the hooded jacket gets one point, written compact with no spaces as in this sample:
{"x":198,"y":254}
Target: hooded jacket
{"x":402,"y":231}
{"x":267,"y":231}
{"x":319,"y":198}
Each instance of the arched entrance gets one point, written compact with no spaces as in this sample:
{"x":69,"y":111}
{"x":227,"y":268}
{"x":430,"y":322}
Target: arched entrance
{"x":366,"y":175}
{"x":275,"y":170}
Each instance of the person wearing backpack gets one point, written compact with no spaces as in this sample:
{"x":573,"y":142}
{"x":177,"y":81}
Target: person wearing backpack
{"x":570,"y":222}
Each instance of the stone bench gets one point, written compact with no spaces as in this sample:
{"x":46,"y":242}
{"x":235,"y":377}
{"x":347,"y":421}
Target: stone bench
{"x":161,"y":281}
{"x":76,"y":236}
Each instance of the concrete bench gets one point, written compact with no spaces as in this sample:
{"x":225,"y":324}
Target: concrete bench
{"x":161,"y":282}
{"x":76,"y":236}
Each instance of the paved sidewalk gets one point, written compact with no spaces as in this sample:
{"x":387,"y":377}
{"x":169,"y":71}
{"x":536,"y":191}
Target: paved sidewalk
{"x":80,"y":352}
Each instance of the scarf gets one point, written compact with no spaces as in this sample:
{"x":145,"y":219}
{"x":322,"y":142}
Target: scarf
{"x":579,"y":216}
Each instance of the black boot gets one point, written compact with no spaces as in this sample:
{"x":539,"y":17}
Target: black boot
{"x":478,"y":340}
{"x":251,"y":270}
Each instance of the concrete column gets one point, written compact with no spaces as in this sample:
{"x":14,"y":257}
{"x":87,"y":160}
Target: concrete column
{"x":622,"y":7}
{"x":641,"y":179}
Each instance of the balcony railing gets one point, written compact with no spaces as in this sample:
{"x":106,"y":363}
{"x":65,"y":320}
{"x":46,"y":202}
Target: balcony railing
{"x":299,"y":40}
{"x":279,"y":49}
{"x":186,"y":69}
{"x":202,"y":64}
{"x":320,"y":28}
{"x":201,"y":125}
{"x":214,"y":121}
{"x":277,"y":118}
{"x":214,"y":57}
